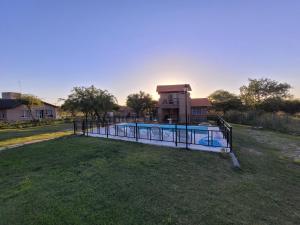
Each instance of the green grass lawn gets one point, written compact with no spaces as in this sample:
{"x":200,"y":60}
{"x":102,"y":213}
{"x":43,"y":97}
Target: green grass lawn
{"x":20,"y":135}
{"x":85,"y":180}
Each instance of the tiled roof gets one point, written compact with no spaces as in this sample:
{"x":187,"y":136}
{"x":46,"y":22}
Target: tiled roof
{"x":9,"y":103}
{"x":172,"y":88}
{"x":200,"y":102}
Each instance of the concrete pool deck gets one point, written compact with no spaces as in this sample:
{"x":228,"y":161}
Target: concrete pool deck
{"x":164,"y":143}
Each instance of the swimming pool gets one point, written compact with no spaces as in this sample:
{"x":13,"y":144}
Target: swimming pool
{"x":170,"y":126}
{"x":196,"y":137}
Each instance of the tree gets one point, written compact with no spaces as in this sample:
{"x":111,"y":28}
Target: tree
{"x":103,"y":102}
{"x":78,"y":101}
{"x":140,"y":102}
{"x":272,"y":104}
{"x":152,"y":109}
{"x":90,"y":101}
{"x":69,"y":106}
{"x":223,"y":101}
{"x":29,"y":101}
{"x":258,"y":90}
{"x":291,"y":106}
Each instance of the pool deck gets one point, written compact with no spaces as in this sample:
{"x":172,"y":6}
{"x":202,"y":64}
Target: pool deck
{"x":165,"y":137}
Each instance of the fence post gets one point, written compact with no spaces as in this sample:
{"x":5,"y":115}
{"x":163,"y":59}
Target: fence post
{"x":176,"y":134}
{"x":136,"y":132}
{"x":86,"y":127}
{"x":230,"y":139}
{"x":74,"y":126}
{"x":208,"y":140}
{"x":186,"y":137}
{"x":106,"y":128}
{"x":83,"y":127}
{"x":194,"y":137}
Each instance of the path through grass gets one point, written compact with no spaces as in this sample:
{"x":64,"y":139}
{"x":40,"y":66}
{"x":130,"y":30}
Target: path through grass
{"x":10,"y":137}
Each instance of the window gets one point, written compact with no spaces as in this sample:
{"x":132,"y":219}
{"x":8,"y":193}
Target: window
{"x":39,"y":113}
{"x":2,"y":115}
{"x":25,"y":113}
{"x":170,"y":99}
{"x":204,"y":111}
{"x":49,"y":112}
{"x":196,"y":111}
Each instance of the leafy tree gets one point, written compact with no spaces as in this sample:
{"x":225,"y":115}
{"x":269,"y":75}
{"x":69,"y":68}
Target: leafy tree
{"x":78,"y":101}
{"x":140,"y":102}
{"x":258,"y":90}
{"x":90,"y":101}
{"x":152,"y":110}
{"x":223,"y":101}
{"x":29,"y":101}
{"x":291,"y":106}
{"x":272,"y":104}
{"x":69,"y":106}
{"x":103,"y":102}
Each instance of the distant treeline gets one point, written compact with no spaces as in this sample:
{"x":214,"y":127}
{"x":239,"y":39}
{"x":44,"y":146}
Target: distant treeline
{"x":262,"y":103}
{"x":96,"y":103}
{"x":282,"y":122}
{"x":259,"y":94}
{"x":257,"y":104}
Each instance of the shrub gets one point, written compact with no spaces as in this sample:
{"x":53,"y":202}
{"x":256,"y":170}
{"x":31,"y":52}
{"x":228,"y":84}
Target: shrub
{"x":275,"y":121}
{"x":25,"y":124}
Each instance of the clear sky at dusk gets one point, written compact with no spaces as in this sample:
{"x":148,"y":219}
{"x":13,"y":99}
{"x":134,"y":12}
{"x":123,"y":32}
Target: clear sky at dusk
{"x":48,"y":47}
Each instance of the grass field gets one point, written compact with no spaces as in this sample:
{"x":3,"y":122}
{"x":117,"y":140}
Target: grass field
{"x":85,"y":180}
{"x":17,"y":136}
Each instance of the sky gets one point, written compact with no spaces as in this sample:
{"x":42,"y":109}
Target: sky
{"x":48,"y":47}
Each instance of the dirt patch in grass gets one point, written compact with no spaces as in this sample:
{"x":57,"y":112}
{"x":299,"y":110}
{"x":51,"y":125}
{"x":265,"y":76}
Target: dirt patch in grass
{"x":15,"y":142}
{"x":287,"y":145}
{"x":252,"y":151}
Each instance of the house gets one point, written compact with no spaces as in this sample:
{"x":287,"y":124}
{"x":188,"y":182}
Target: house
{"x":125,"y":111}
{"x":12,"y":109}
{"x":175,"y":104}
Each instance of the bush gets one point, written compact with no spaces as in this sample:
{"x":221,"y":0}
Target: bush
{"x":26,"y":124}
{"x":275,"y":121}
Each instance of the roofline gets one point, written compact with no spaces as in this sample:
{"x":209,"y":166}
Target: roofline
{"x":18,"y":104}
{"x":201,"y":105}
{"x":170,"y":85}
{"x":46,"y":103}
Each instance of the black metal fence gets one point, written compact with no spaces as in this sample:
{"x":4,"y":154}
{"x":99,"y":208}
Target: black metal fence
{"x":219,"y":135}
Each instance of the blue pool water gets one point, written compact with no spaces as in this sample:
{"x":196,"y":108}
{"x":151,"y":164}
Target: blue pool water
{"x":166,"y":126}
{"x":196,"y":135}
{"x":205,"y":141}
